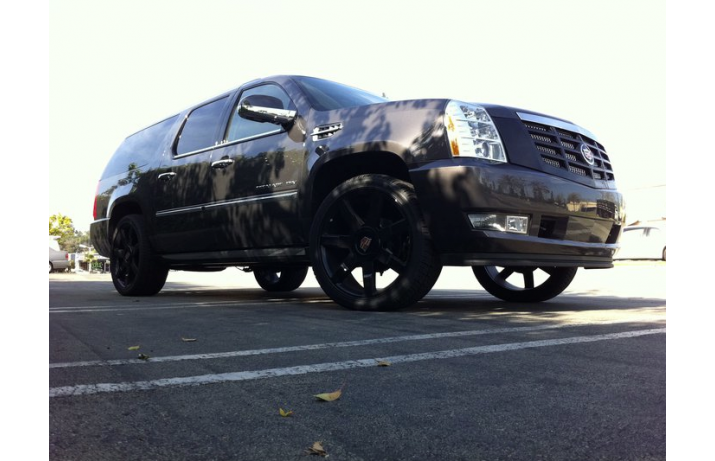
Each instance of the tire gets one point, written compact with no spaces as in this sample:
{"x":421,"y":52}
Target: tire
{"x":280,"y":279}
{"x":663,"y":254}
{"x":372,"y":224}
{"x":503,"y":282}
{"x":135,"y":269}
{"x":50,"y":268}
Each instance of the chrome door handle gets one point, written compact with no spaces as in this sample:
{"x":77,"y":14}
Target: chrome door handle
{"x":221,"y":164}
{"x":166,"y":177}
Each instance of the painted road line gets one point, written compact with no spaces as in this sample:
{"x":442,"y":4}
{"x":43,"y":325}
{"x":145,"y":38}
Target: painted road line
{"x":313,"y":347}
{"x":138,"y":307}
{"x":121,"y":306}
{"x":87,"y":389}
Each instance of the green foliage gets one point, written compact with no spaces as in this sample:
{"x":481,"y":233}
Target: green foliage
{"x":70,"y":239}
{"x":71,"y":244}
{"x":61,"y":226}
{"x":90,"y":256}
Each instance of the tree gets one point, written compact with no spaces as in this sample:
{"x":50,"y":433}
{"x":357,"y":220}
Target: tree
{"x":77,"y":243}
{"x":62,"y":227}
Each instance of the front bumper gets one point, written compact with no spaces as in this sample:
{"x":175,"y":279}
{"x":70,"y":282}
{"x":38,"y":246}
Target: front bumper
{"x":570,"y":224}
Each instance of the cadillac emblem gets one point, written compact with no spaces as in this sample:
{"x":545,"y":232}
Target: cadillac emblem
{"x":587,"y":154}
{"x":365,"y":244}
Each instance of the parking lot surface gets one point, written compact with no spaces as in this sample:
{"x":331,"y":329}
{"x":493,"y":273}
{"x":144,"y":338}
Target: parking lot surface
{"x":202,"y":371}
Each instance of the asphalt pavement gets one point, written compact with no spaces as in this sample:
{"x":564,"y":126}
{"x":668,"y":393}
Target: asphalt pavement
{"x":202,"y":370}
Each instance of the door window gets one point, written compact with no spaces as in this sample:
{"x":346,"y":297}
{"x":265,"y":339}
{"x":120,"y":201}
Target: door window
{"x":274,"y":97}
{"x":201,"y":128}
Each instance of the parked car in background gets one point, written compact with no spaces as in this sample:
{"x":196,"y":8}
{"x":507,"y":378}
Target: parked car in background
{"x":59,"y":260}
{"x":642,"y":242}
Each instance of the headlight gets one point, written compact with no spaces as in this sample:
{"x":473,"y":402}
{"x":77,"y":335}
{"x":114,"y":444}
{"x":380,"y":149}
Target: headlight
{"x":472,"y":133}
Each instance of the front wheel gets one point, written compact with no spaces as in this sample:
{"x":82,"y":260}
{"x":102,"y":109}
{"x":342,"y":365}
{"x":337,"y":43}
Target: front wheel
{"x":369,"y":246}
{"x":136,"y":271}
{"x":524,"y":284}
{"x":280,"y":279}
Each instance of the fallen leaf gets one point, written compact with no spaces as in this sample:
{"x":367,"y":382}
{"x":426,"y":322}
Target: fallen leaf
{"x":133,"y":348}
{"x":188,"y":340}
{"x":383,"y":363}
{"x":317,"y":449}
{"x":143,"y":357}
{"x":284,"y":413}
{"x":329,"y":397}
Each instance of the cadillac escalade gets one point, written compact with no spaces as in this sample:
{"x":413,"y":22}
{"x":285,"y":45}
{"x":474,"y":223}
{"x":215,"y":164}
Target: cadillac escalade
{"x":290,"y":172}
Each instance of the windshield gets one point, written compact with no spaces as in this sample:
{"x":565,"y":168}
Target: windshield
{"x":327,"y":95}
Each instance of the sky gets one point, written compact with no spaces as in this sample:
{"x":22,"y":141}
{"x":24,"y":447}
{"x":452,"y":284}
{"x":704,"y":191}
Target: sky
{"x":116,"y":67}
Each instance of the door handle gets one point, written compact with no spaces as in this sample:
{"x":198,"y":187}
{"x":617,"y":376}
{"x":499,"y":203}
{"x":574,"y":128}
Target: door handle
{"x":221,"y":164}
{"x":166,"y":177}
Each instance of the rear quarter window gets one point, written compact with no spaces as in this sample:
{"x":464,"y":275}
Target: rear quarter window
{"x":139,"y":149}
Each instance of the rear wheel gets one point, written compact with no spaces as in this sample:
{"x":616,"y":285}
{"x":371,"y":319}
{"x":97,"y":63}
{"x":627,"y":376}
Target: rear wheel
{"x":369,"y":246}
{"x":135,"y":270}
{"x":280,"y":279}
{"x":524,"y":284}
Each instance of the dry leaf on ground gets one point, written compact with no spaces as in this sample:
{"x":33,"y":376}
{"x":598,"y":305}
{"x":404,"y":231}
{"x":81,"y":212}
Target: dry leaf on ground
{"x":383,"y":363}
{"x":188,"y":340}
{"x":317,"y":449}
{"x":330,"y":396}
{"x":284,"y":413}
{"x":143,"y":357}
{"x":133,"y":348}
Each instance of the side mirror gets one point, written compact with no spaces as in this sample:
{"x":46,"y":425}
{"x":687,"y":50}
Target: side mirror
{"x":261,"y":108}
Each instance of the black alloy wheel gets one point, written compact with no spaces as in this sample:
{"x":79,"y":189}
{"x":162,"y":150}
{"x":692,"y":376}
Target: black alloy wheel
{"x":280,"y":279}
{"x":135,"y":270}
{"x":524,"y":284}
{"x":369,"y":246}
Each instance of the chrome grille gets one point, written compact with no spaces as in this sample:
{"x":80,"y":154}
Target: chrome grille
{"x":561,"y":149}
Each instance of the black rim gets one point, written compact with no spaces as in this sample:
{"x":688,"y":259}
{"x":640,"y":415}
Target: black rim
{"x":268,"y":276}
{"x":125,"y":263}
{"x":520,"y":278}
{"x":365,"y":242}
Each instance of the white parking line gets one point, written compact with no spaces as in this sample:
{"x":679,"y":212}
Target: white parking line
{"x":138,"y":306}
{"x":312,"y":347}
{"x":86,"y":389}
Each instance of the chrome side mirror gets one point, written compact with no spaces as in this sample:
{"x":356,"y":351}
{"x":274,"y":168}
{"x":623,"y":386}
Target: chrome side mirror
{"x":262,"y":109}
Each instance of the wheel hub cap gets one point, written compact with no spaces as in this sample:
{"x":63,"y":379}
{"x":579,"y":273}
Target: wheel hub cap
{"x":367,"y":242}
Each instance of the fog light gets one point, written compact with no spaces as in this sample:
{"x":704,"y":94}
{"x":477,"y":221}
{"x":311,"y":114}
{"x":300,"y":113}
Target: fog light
{"x":500,"y":222}
{"x":517,"y":224}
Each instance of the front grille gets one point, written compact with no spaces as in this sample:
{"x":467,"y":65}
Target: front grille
{"x":561,"y":149}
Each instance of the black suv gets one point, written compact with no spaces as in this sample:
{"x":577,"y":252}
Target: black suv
{"x":289,"y":172}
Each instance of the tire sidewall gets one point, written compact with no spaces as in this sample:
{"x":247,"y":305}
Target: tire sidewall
{"x":404,"y":198}
{"x":551,"y":288}
{"x":151,"y":273}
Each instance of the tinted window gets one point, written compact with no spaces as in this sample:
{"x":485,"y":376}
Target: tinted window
{"x":201,"y":127}
{"x":327,"y":95}
{"x":240,"y":128}
{"x":139,"y":148}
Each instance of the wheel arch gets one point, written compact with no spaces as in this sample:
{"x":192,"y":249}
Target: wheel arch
{"x":333,"y":172}
{"x":119,"y":211}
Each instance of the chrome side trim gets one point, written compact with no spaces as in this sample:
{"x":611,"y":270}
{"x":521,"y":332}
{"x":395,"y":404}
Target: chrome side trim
{"x":557,"y":123}
{"x":229,"y":143}
{"x":194,"y":152}
{"x":255,"y":136}
{"x":240,"y":201}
